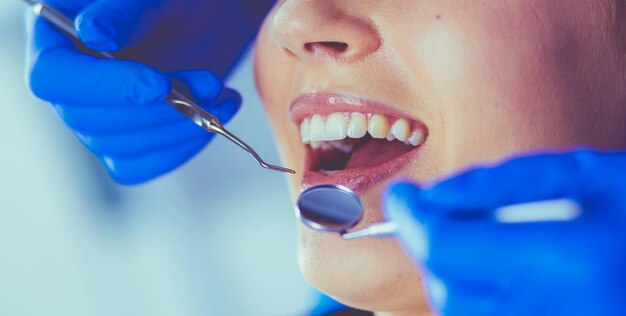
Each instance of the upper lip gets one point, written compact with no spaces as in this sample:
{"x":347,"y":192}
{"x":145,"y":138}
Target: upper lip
{"x":325,"y":103}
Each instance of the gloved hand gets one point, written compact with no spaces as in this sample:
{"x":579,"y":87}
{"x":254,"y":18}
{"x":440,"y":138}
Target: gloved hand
{"x":478,"y":266}
{"x":116,"y":107}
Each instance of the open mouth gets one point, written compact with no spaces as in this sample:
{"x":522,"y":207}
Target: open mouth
{"x":356,"y":149}
{"x":347,"y":140}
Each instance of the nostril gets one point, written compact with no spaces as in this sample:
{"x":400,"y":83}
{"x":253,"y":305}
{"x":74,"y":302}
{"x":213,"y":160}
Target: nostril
{"x":329,"y":48}
{"x":338,"y":46}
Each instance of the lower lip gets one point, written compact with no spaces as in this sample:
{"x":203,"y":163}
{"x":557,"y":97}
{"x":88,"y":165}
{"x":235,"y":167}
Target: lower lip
{"x":359,"y":179}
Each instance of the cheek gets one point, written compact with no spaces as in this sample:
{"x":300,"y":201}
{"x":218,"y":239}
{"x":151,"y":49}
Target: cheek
{"x":486,"y":97}
{"x":495,"y":78}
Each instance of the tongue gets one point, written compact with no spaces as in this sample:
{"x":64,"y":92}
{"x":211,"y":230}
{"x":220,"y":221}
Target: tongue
{"x":375,"y":152}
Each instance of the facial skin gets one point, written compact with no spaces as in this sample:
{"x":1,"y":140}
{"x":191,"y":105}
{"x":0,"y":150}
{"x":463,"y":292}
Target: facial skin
{"x":489,"y":79}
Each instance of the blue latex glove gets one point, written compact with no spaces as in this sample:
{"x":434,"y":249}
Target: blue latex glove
{"x":477,"y":266}
{"x":116,"y":107}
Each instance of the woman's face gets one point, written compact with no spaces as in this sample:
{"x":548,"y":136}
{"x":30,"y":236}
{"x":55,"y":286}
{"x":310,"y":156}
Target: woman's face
{"x":458,"y":82}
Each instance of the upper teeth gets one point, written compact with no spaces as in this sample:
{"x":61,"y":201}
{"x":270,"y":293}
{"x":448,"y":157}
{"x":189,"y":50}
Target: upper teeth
{"x":338,"y":126}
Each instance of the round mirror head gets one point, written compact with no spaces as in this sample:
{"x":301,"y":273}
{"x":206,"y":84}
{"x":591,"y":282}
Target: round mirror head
{"x":331,"y":208}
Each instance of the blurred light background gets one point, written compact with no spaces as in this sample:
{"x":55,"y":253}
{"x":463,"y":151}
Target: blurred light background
{"x":72,"y":242}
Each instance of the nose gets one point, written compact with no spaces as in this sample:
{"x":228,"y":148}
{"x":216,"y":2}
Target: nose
{"x":313,"y":29}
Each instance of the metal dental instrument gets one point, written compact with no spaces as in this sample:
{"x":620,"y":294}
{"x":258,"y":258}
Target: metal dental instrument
{"x":176,"y":99}
{"x":336,"y":209}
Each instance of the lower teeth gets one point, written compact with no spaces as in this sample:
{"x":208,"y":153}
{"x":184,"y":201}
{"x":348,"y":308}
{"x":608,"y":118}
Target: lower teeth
{"x":343,"y":146}
{"x":328,"y":172}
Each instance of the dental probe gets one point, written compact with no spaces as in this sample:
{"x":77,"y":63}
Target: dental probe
{"x":175,"y":99}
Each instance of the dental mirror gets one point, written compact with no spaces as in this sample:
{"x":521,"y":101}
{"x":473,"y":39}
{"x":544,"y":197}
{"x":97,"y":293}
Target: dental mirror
{"x":335,"y":208}
{"x":330,"y":208}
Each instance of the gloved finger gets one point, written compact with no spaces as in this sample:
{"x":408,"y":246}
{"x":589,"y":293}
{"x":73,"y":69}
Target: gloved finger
{"x":60,"y":74}
{"x":99,"y":121}
{"x":479,"y":250}
{"x":400,"y":206}
{"x":462,"y":262}
{"x":429,"y":237}
{"x":492,"y":255}
{"x":480,"y":261}
{"x":581,"y":175}
{"x":108,"y":25}
{"x":473,"y":301}
{"x":145,"y":141}
{"x":459,"y":301}
{"x":115,"y":120}
{"x":103,"y":120}
{"x":504,"y":280}
{"x":205,"y":86}
{"x":140,"y":169}
{"x":229,"y":104}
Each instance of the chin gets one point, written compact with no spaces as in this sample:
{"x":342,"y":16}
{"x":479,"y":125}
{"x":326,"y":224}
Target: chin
{"x":371,"y":274}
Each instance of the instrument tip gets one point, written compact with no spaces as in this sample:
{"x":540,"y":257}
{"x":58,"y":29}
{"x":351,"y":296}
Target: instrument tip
{"x":282,"y":169}
{"x":277,"y":168}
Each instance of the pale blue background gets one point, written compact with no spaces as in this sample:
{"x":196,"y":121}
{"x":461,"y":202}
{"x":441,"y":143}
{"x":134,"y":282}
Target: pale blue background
{"x":217,"y":237}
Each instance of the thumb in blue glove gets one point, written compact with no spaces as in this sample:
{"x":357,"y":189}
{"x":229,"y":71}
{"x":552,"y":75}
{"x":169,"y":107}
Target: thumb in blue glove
{"x":479,"y":266}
